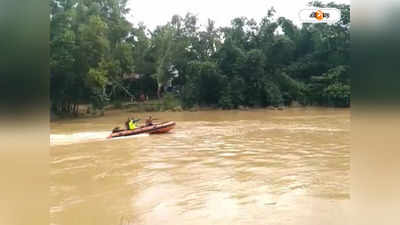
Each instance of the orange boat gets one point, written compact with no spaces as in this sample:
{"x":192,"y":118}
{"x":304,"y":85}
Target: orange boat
{"x":153,"y":129}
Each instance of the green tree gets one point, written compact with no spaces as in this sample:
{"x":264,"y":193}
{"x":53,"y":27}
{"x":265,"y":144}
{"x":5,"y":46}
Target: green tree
{"x":88,"y":50}
{"x":163,"y":40}
{"x":93,"y":48}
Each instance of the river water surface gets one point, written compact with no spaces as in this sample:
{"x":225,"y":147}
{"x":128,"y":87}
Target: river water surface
{"x":260,"y":167}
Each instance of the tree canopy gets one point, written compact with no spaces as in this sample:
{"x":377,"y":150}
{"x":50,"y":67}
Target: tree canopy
{"x":97,"y":56}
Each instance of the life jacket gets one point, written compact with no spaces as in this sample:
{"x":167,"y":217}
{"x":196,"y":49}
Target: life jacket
{"x":131,"y":125}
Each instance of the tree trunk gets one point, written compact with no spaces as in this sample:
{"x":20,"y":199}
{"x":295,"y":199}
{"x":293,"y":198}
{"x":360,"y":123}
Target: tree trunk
{"x":159,"y":91}
{"x":75,"y":109}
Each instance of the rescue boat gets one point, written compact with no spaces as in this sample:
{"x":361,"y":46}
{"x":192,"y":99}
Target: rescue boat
{"x":160,"y":128}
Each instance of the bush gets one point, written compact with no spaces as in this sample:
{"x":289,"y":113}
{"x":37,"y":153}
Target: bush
{"x":225,"y":101}
{"x":272,"y":94}
{"x":338,"y":94}
{"x":236,"y":91}
{"x":117,"y":104}
{"x":189,"y":96}
{"x":204,"y":84}
{"x":170,"y":102}
{"x":98,"y":99}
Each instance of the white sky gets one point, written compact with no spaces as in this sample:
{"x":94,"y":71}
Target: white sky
{"x":158,"y":12}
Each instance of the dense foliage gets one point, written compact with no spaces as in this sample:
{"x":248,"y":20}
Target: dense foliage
{"x":97,"y":56}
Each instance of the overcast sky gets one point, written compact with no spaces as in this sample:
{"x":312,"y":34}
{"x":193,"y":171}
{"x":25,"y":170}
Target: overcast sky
{"x":158,"y":12}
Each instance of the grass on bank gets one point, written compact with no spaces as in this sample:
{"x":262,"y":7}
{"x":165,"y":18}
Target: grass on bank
{"x":168,"y":103}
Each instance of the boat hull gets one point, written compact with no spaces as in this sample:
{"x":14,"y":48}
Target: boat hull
{"x":153,"y":129}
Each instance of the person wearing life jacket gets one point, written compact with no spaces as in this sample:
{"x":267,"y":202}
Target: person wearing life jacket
{"x":131,"y":124}
{"x":127,"y":123}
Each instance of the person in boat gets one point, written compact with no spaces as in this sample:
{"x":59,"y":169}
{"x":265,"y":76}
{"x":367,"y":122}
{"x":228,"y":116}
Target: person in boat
{"x":116,"y":130}
{"x":130,"y":124}
{"x":149,"y":121}
{"x":127,"y":123}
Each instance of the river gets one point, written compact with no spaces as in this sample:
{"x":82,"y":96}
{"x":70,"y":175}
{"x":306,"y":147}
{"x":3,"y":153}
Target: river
{"x":259,"y":167}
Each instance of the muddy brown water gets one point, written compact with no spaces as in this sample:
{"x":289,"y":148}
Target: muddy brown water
{"x":287,"y":167}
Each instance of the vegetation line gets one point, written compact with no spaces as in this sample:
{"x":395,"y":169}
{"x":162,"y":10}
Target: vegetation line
{"x":97,"y":57}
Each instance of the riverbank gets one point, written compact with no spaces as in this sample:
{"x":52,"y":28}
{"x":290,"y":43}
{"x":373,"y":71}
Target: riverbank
{"x":87,"y":111}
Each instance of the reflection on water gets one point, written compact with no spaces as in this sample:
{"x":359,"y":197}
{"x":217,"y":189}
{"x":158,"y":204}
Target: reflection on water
{"x":221,"y":167}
